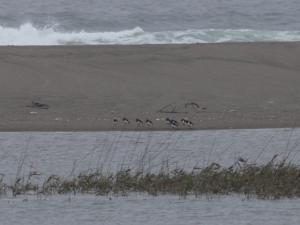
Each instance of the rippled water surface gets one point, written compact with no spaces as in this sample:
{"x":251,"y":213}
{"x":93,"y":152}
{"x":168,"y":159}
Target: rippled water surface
{"x":65,"y":22}
{"x":139,"y":209}
{"x":67,"y":153}
{"x":157,"y":15}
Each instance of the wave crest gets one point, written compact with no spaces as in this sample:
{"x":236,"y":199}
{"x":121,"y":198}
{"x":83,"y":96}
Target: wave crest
{"x":27,"y":34}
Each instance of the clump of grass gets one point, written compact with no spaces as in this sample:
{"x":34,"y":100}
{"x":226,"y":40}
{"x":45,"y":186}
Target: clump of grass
{"x":3,"y":186}
{"x":22,"y":186}
{"x":269,"y":181}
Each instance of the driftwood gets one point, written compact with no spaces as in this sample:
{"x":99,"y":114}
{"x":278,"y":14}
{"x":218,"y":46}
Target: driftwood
{"x":170,"y":108}
{"x":38,"y":105}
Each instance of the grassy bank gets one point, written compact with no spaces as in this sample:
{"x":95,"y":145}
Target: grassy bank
{"x":269,"y":181}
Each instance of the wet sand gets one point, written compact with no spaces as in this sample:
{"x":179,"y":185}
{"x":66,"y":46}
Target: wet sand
{"x":240,"y":85}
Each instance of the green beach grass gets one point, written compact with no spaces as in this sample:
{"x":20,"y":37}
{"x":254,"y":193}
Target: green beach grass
{"x":268,"y":181}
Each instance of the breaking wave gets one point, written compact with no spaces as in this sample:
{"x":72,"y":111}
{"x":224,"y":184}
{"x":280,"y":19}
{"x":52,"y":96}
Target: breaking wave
{"x":27,"y":34}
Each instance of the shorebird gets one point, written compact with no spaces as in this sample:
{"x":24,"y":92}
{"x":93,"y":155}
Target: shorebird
{"x":172,"y":123}
{"x":139,"y":122}
{"x":168,"y":120}
{"x":149,"y":123}
{"x":187,"y":122}
{"x":115,"y":120}
{"x":184,"y":121}
{"x":125,"y":120}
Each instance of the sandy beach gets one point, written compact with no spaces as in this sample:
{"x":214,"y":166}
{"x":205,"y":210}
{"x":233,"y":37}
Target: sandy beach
{"x":216,"y":86}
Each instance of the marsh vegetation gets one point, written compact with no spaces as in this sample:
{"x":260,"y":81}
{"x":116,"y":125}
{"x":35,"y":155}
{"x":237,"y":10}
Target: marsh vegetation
{"x":272,"y":180}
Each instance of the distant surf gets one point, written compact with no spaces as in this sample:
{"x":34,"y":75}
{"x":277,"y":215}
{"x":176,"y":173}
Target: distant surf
{"x":27,"y":34}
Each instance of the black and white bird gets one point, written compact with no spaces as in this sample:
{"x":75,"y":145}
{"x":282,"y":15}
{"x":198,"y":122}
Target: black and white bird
{"x":184,"y":121}
{"x":149,"y":123}
{"x":172,"y":123}
{"x":125,"y":120}
{"x":187,"y":122}
{"x":169,"y":121}
{"x":115,"y":120}
{"x":139,"y":122}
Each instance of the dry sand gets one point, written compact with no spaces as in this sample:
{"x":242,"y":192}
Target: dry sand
{"x":255,"y":85}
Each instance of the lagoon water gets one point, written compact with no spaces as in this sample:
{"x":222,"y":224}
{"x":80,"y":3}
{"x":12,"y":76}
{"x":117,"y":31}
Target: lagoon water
{"x":148,"y":210}
{"x":69,"y":153}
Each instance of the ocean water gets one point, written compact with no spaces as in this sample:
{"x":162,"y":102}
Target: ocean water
{"x":44,"y":22}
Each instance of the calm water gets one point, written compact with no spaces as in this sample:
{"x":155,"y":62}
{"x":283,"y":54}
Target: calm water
{"x":70,"y":153}
{"x":147,"y":210}
{"x":65,"y":153}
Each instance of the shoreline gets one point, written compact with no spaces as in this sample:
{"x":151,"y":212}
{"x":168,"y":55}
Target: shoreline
{"x":235,"y":85}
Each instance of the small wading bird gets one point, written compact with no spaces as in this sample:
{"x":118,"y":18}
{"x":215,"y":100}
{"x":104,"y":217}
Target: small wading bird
{"x":187,"y":122}
{"x":139,"y":122}
{"x":172,"y":123}
{"x":115,"y":120}
{"x":149,"y":123}
{"x":168,"y":120}
{"x":125,"y":120}
{"x":183,"y":121}
{"x":190,"y":123}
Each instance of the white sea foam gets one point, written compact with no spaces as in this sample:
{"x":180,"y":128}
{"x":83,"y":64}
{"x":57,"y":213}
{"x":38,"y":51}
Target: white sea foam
{"x":27,"y":34}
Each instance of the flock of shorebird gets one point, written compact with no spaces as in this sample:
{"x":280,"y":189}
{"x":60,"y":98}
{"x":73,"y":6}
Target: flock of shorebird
{"x":125,"y":121}
{"x":148,"y":123}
